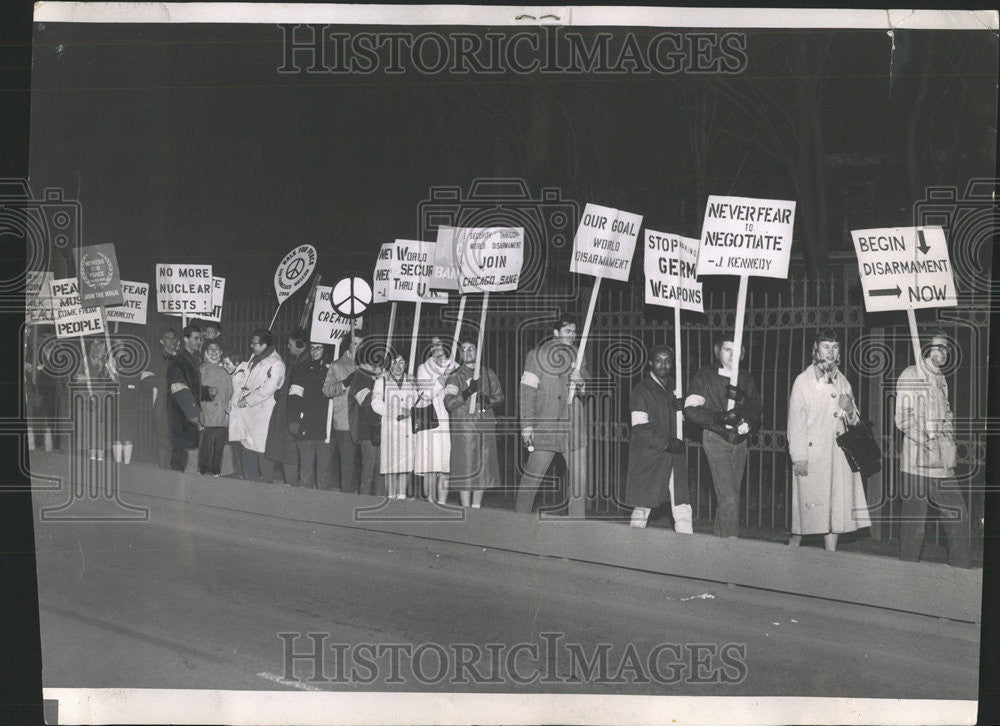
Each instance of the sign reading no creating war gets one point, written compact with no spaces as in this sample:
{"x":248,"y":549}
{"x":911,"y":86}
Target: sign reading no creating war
{"x":72,"y":319}
{"x":411,"y":271}
{"x":744,"y":236}
{"x":184,"y":289}
{"x":328,"y":326}
{"x":604,"y":242}
{"x":382,"y":276}
{"x":669,"y":262}
{"x":97,"y":274}
{"x":904,"y":268}
{"x":491,"y":258}
{"x":135,"y":297}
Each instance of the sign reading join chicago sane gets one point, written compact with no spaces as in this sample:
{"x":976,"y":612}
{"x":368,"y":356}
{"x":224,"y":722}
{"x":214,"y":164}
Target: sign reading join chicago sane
{"x":604,"y":242}
{"x":669,"y":263}
{"x":744,"y":236}
{"x":904,"y":268}
{"x":491,"y":258}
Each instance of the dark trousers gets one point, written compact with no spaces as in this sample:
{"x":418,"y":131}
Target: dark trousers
{"x":315,"y":464}
{"x":252,"y":464}
{"x":237,"y":449}
{"x":178,"y":459}
{"x":535,"y":468}
{"x":348,"y":454}
{"x":727,"y":462}
{"x":943,"y":494}
{"x":372,"y":482}
{"x":213,"y":440}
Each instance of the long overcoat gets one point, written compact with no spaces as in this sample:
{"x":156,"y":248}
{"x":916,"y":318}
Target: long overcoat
{"x":654,"y":426}
{"x":248,"y":423}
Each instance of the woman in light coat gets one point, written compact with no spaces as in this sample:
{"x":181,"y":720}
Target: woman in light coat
{"x":393,"y":397}
{"x":432,"y":447}
{"x":250,"y":410}
{"x":827,"y":497}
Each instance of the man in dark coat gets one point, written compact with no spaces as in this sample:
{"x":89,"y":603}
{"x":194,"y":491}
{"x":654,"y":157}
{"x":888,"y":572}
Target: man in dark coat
{"x":306,"y":414}
{"x":184,"y":394}
{"x":154,"y":383}
{"x":550,"y":423}
{"x":365,"y":424}
{"x":280,"y":447}
{"x":657,"y":465}
{"x":725,"y":430}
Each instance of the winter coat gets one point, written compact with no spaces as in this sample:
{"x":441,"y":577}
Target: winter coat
{"x":654,"y":426}
{"x":544,"y":390}
{"x":253,"y":401}
{"x":307,"y":406}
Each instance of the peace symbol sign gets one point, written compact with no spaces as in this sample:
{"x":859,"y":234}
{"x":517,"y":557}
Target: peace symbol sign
{"x":295,"y":268}
{"x":351,"y":296}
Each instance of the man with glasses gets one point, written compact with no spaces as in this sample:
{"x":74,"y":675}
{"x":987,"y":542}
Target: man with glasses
{"x":927,"y":459}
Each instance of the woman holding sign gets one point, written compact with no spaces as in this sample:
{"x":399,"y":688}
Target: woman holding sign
{"x":827,"y":497}
{"x":432,"y":446}
{"x":393,"y":398}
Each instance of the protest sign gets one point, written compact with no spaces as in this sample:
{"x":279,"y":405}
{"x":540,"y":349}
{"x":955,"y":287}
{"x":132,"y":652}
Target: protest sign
{"x":744,"y":236}
{"x":184,"y":289}
{"x":904,"y":268}
{"x":604,"y":242}
{"x":491,"y":258}
{"x":97,"y":275}
{"x":135,"y":298}
{"x":329,"y":327}
{"x":410,"y":273}
{"x":351,"y":296}
{"x":218,"y":296}
{"x":293,"y":271}
{"x":670,"y":262}
{"x":381,"y":276}
{"x":71,"y":318}
{"x":38,"y":298}
{"x":447,"y":253}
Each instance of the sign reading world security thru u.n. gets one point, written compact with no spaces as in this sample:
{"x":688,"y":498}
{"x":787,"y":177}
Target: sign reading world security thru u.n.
{"x":745,"y":236}
{"x":904,"y":268}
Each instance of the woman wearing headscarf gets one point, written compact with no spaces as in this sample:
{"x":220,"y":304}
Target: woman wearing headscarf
{"x":827,"y":497}
{"x":432,"y":446}
{"x":393,"y":397}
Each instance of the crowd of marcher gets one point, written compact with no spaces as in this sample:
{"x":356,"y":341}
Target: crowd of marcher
{"x":362,"y":423}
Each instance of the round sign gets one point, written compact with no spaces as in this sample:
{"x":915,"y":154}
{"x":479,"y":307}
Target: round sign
{"x":351,"y":296}
{"x":294,"y":270}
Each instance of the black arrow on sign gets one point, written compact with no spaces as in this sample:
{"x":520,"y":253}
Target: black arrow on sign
{"x":885,"y":293}
{"x":923,"y":246}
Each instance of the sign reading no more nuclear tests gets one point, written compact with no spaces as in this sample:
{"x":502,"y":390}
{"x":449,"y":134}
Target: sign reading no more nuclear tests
{"x":605,"y":242}
{"x":745,"y":236}
{"x":904,"y":268}
{"x":184,"y":289}
{"x":670,"y":262}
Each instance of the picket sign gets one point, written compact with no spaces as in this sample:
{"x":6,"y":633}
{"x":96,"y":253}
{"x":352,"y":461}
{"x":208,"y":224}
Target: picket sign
{"x":602,"y":247}
{"x":479,"y":350}
{"x":413,"y":338}
{"x":445,"y":275}
{"x":745,"y":236}
{"x":292,"y":273}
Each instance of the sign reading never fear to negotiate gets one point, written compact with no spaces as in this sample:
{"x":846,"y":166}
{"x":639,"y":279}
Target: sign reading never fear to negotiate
{"x":134,"y":304}
{"x":71,"y":319}
{"x":904,"y":268}
{"x":491,"y":258}
{"x":382,"y":275}
{"x":744,"y":236}
{"x":184,"y":289}
{"x":604,"y":242}
{"x":329,"y":327}
{"x":669,"y":262}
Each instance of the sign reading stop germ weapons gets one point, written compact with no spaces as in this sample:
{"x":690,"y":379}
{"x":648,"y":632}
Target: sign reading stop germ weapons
{"x":904,"y":268}
{"x":669,"y":262}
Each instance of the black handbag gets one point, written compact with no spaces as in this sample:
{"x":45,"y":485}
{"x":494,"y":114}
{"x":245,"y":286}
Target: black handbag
{"x":862,"y":451}
{"x":423,"y":418}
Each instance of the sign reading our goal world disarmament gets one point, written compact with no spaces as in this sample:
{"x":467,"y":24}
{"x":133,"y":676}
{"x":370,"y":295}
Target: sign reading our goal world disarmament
{"x":184,"y":289}
{"x":72,"y":319}
{"x":604,"y":242}
{"x":904,"y":268}
{"x":491,"y":258}
{"x":134,"y":304}
{"x":669,"y":262}
{"x":329,"y":327}
{"x":744,"y":236}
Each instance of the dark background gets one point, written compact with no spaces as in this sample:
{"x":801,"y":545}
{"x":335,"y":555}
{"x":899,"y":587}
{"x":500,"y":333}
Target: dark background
{"x":261,"y":163}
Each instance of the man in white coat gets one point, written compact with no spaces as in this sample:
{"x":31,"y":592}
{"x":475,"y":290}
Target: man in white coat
{"x":250,"y":411}
{"x":827,"y":497}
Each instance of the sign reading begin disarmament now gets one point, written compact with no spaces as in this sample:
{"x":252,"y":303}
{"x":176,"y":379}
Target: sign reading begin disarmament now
{"x":184,"y":288}
{"x":604,"y":242}
{"x":904,"y":268}
{"x":669,"y":263}
{"x":744,"y":236}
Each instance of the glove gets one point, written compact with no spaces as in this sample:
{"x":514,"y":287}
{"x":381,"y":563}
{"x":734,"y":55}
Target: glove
{"x":294,"y":428}
{"x":472,"y":388}
{"x":675,"y":446}
{"x":732,"y":417}
{"x":677,"y":404}
{"x":735,"y":394}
